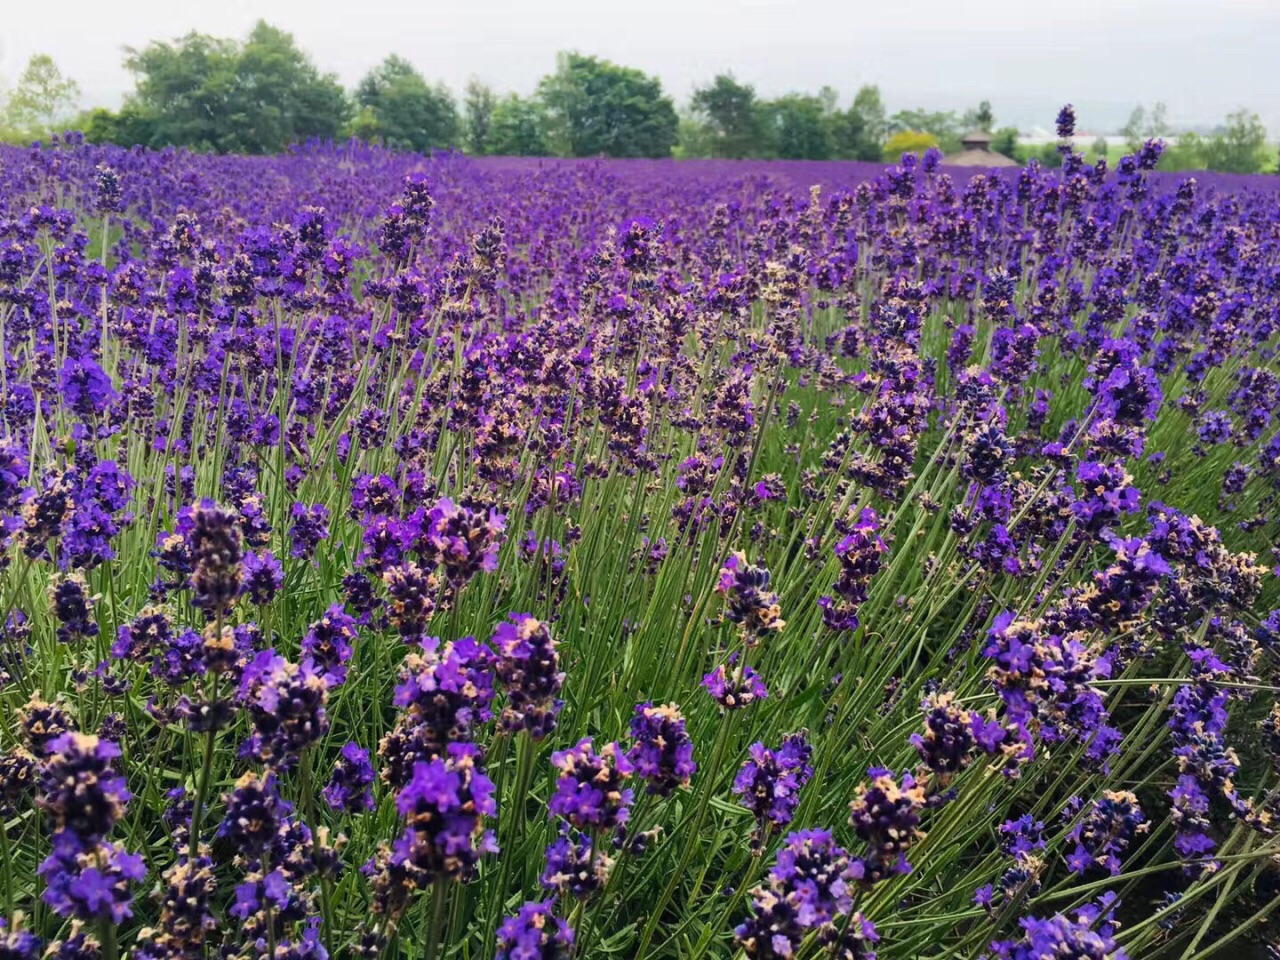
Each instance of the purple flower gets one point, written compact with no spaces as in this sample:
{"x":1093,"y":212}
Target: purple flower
{"x":86,"y":389}
{"x":411,"y":602}
{"x":18,"y":944}
{"x":749,"y":602}
{"x":733,"y":686}
{"x":254,"y":812}
{"x":886,"y":815}
{"x":310,"y":527}
{"x":535,"y":933}
{"x":445,"y":804}
{"x":1089,"y":935}
{"x":286,"y":704}
{"x":328,"y":644}
{"x":79,"y":788}
{"x":263,"y":577}
{"x":947,"y":742}
{"x":72,"y":607}
{"x":662,"y":753}
{"x":529,"y":668}
{"x":349,"y":786}
{"x":90,"y":881}
{"x":574,"y":867}
{"x":1105,"y":830}
{"x":769,"y":783}
{"x":464,"y":539}
{"x":212,"y":535}
{"x":1066,"y":123}
{"x":589,"y":791}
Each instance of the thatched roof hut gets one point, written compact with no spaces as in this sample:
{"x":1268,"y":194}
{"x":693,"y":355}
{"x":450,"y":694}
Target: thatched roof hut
{"x":977,"y":152}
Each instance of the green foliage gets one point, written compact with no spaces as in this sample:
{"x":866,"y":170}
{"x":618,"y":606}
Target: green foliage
{"x":868,"y":104}
{"x":1143,"y":126}
{"x":209,"y":93}
{"x":731,"y":116}
{"x":130,"y":125}
{"x":1241,"y":145}
{"x":798,"y":127}
{"x":1005,"y":141}
{"x":980,"y":118}
{"x":1046,"y":153}
{"x":943,"y":125}
{"x":908,"y":141}
{"x":598,"y":107}
{"x":479,"y":102}
{"x":518,"y":128}
{"x":409,"y":113}
{"x":41,"y":99}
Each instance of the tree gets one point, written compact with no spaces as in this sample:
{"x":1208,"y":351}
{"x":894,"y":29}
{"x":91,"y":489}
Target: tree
{"x":730,"y":113}
{"x":1005,"y":142}
{"x":1132,"y":131}
{"x":409,"y":112}
{"x":908,"y":141}
{"x":798,"y":127}
{"x":1101,"y":147}
{"x":870,"y":107}
{"x":980,"y":118}
{"x":1240,"y":146}
{"x":41,"y":99}
{"x":597,"y":107}
{"x":519,"y":128}
{"x":479,"y":101}
{"x":1144,"y":126}
{"x":125,"y":128}
{"x":943,"y":125}
{"x":258,"y":96}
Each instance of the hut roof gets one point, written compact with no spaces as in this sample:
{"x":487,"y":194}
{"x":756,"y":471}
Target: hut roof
{"x":977,"y":153}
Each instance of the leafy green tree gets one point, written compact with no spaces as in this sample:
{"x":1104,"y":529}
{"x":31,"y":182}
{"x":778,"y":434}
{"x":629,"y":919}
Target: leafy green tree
{"x":868,"y":105}
{"x":598,"y":107}
{"x":41,"y":99}
{"x":129,"y":126}
{"x":980,"y":118}
{"x":908,"y":141}
{"x":479,"y":102}
{"x":847,"y":132}
{"x":186,"y":89}
{"x":1144,"y":126}
{"x":943,"y":125}
{"x":798,"y":127}
{"x":411,"y":113}
{"x":731,"y":115}
{"x":1241,"y":145}
{"x":1005,"y":141}
{"x":694,"y":139}
{"x":258,"y":96}
{"x":1188,"y":153}
{"x":519,"y":128}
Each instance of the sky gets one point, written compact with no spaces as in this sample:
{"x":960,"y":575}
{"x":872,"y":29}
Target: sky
{"x":1203,"y":58}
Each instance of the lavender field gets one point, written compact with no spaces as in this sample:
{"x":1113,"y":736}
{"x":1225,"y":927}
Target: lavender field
{"x":433,"y":557}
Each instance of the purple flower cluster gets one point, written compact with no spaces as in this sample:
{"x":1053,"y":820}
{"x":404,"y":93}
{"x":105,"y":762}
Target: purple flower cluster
{"x":749,"y":602}
{"x":662,"y":753}
{"x":529,"y":668}
{"x":860,"y":554}
{"x":769,"y":783}
{"x":535,"y":933}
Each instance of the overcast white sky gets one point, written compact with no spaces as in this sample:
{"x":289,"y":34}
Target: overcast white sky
{"x":1202,"y":57}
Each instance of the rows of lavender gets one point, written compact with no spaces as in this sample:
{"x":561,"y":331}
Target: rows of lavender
{"x":430,"y":558}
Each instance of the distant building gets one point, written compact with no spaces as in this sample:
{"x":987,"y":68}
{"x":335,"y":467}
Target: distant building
{"x":976,"y":152}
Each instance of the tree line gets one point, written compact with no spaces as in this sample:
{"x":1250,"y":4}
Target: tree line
{"x":263,"y":93}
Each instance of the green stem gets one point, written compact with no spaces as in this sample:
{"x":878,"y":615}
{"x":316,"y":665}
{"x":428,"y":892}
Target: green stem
{"x":695,"y":833}
{"x":439,"y":897}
